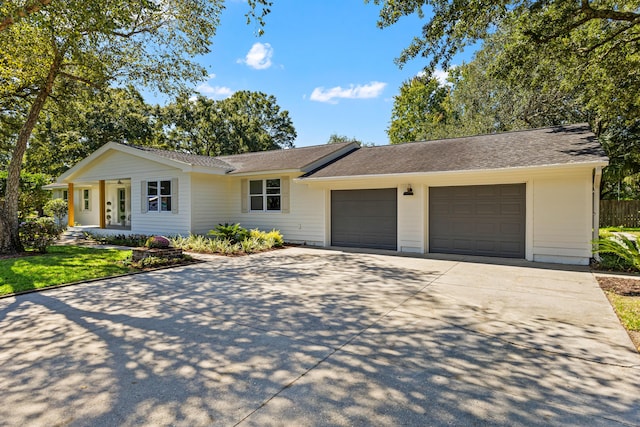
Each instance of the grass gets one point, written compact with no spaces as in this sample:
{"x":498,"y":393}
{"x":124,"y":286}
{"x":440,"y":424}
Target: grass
{"x":608,"y":231}
{"x":62,"y":264}
{"x":628,"y":309}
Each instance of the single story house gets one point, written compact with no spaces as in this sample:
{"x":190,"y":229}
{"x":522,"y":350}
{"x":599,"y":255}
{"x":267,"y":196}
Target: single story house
{"x":530,"y":194}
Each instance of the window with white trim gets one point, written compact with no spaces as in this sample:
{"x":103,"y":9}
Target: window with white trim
{"x":65,"y":195}
{"x":86,"y":200}
{"x":159,"y":196}
{"x":265,"y":195}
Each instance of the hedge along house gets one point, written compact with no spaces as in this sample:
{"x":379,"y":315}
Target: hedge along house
{"x":530,"y":194}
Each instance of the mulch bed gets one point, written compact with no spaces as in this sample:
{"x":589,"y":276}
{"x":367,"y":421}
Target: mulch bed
{"x":620,"y":285}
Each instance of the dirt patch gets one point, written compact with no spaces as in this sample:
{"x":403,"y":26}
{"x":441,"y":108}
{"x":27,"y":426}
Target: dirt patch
{"x":620,"y":285}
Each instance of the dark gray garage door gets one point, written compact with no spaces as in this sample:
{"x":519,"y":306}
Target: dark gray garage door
{"x":364,"y":218}
{"x":478,"y":220}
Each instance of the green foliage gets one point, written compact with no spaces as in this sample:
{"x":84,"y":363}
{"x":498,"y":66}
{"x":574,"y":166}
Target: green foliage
{"x":253,"y":241}
{"x":421,"y":111}
{"x":70,"y":131}
{"x":273,"y":238}
{"x":130,"y":240}
{"x":32,"y":196}
{"x":156,"y":262}
{"x":159,"y":242}
{"x":39,"y":233}
{"x":57,"y":209}
{"x":588,"y":29}
{"x":232,"y":232}
{"x":245,"y":122}
{"x":622,"y":247}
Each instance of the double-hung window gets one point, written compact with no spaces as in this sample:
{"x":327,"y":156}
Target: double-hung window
{"x":265,"y":195}
{"x":86,"y":200}
{"x":159,"y":196}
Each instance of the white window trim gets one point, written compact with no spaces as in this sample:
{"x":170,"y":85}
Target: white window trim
{"x":170,"y":195}
{"x":265,"y":195}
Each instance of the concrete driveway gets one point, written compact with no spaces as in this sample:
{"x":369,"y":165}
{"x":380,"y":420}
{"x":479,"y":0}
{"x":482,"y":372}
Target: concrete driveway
{"x":304,"y":337}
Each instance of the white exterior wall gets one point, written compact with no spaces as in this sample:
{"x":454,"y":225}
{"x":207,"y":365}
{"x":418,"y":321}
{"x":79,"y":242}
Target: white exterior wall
{"x":558,"y":208}
{"x":92,"y":215}
{"x":562,"y":228}
{"x":117,"y":165}
{"x":305,"y":222}
{"x":210,"y":204}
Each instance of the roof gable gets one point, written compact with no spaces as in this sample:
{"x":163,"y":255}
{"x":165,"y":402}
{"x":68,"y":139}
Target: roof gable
{"x":573,"y":144}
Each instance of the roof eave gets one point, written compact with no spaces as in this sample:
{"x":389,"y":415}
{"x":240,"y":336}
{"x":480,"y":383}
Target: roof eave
{"x":265,"y":172}
{"x":599,"y":163}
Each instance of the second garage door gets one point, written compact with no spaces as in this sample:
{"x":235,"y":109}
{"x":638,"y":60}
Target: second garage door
{"x":364,"y":218}
{"x":478,"y":220}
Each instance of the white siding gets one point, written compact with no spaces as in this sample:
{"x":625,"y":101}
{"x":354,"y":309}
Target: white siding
{"x":209,"y":204}
{"x":117,"y":165}
{"x":81,"y":215}
{"x":562,"y":218}
{"x":305,"y":223}
{"x":411,"y":225}
{"x":559,"y":208}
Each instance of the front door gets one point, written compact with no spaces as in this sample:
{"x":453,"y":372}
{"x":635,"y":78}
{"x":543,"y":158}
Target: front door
{"x":122,"y":206}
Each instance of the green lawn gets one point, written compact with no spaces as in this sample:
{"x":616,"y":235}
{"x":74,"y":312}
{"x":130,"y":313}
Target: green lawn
{"x":628,"y":309}
{"x":63,"y":264}
{"x":608,"y":231}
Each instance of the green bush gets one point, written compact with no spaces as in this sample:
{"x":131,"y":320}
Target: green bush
{"x":130,"y":240}
{"x":273,"y":237}
{"x":56,"y":208}
{"x":254,"y":241}
{"x":622,"y":247}
{"x":232,"y":232}
{"x":39,"y":233}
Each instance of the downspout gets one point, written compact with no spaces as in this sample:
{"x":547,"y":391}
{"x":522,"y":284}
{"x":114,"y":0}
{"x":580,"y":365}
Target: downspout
{"x":597,"y":177}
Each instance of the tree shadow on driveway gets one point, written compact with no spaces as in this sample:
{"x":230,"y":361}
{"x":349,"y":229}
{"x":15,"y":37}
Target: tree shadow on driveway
{"x":289,"y":338}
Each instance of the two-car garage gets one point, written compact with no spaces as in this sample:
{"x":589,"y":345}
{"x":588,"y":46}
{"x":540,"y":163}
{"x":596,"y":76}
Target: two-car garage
{"x":471,"y":220}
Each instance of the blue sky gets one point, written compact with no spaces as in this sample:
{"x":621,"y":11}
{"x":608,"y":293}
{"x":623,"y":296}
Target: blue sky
{"x":325,"y":61}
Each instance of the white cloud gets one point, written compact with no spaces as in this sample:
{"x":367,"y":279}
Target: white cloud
{"x":259,"y":56}
{"x":371,"y":90}
{"x":216,"y":92}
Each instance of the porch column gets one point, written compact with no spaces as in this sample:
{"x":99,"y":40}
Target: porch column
{"x":101,"y":191}
{"x":70,"y":207}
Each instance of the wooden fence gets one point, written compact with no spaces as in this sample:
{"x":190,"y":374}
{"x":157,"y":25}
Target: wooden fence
{"x":625,"y":213}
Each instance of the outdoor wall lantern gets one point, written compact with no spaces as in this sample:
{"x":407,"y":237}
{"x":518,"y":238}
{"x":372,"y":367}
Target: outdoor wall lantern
{"x":409,"y":191}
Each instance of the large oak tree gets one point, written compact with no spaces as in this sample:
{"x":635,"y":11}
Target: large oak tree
{"x":47,"y":47}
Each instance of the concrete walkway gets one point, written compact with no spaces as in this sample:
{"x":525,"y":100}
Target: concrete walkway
{"x":315,"y":337}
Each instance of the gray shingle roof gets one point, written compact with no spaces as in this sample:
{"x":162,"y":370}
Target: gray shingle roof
{"x":190,"y":159}
{"x":538,"y":147}
{"x":293,"y":158}
{"x":262,"y":161}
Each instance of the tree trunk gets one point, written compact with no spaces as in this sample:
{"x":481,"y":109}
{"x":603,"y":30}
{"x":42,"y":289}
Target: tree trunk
{"x":9,"y":225}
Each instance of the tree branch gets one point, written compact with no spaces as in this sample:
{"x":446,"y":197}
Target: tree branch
{"x":80,"y":79}
{"x":23,"y":12}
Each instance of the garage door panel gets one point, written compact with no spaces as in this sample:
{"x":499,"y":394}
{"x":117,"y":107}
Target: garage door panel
{"x":364,"y":218}
{"x":478,"y":220}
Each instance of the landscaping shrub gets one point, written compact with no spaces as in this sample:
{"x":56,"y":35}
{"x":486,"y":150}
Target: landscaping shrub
{"x":39,"y":233}
{"x":623,"y":251}
{"x":233,"y":232}
{"x":273,"y":237}
{"x":130,"y":240}
{"x":56,"y":208}
{"x":219,"y":242}
{"x":159,"y":242}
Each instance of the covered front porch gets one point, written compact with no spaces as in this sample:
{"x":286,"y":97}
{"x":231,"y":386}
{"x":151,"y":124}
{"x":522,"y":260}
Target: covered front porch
{"x":103,"y":204}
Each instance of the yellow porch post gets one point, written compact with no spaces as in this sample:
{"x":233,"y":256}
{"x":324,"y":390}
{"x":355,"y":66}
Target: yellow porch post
{"x":70,"y":207}
{"x":101,"y":191}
